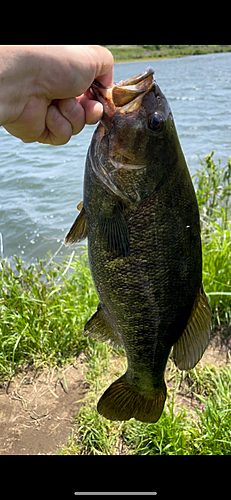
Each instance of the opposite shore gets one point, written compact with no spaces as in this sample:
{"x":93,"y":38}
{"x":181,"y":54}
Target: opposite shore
{"x":128,"y":53}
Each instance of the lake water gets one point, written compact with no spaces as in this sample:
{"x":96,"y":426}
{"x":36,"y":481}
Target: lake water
{"x":40,"y":185}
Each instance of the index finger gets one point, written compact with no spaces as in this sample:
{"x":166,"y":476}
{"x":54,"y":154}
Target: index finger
{"x":103,"y":64}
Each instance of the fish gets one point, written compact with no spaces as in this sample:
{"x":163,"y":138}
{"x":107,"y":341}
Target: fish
{"x":141,"y":218}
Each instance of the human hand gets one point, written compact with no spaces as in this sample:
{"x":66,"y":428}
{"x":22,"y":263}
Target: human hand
{"x":44,"y":93}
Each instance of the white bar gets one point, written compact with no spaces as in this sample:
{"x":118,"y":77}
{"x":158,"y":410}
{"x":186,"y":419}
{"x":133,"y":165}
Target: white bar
{"x":115,"y":493}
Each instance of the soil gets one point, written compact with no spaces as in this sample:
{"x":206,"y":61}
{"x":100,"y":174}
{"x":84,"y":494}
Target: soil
{"x":37,"y":409}
{"x":217,"y":355}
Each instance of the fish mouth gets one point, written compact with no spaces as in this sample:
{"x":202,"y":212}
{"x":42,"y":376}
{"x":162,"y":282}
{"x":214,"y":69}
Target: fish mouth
{"x":129,"y":94}
{"x":125,"y":96}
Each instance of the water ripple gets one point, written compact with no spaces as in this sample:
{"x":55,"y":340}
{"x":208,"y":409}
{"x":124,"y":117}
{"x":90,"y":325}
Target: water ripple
{"x":40,"y":185}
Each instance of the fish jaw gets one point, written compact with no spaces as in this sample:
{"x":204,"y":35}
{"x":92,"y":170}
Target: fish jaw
{"x":123,"y":97}
{"x":128,"y":94}
{"x":135,"y":111}
{"x":124,"y":92}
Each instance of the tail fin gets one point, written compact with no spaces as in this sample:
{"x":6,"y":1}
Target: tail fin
{"x":121,"y":402}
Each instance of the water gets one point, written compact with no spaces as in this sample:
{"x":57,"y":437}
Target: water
{"x":40,"y":185}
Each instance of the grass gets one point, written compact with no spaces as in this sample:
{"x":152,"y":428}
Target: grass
{"x":184,"y":432}
{"x":123,"y":53}
{"x":213,"y":188}
{"x":43,"y":309}
{"x":43,"y":312}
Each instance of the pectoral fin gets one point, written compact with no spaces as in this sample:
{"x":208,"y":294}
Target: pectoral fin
{"x":115,"y":231}
{"x":189,"y":348}
{"x":98,"y":327}
{"x":78,"y":229}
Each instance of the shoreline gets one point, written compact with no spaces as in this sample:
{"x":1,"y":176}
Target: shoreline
{"x":143,"y":59}
{"x":180,"y":56}
{"x":136,"y":53}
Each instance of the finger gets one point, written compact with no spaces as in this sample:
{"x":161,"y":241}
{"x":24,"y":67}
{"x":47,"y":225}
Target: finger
{"x":107,"y":77}
{"x":93,"y":110}
{"x":58,"y":130}
{"x":30,"y":124}
{"x":72,"y":110}
{"x":102,"y":61}
{"x":72,"y":69}
{"x":104,"y":71}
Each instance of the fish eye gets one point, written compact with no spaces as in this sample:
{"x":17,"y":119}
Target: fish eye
{"x":156,"y":122}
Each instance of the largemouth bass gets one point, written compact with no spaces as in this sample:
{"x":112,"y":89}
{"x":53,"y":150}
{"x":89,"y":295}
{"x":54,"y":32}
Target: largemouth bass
{"x":141,"y":217}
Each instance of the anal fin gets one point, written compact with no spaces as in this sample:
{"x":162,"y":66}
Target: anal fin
{"x":98,"y":327}
{"x":78,"y":229}
{"x":189,"y":348}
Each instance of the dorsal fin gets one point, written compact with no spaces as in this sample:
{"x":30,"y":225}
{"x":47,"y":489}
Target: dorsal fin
{"x":189,"y":348}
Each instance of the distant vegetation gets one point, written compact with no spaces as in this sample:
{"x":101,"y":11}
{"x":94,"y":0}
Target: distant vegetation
{"x":131,"y":52}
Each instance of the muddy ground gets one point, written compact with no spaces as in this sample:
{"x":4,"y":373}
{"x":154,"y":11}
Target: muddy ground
{"x":37,"y":409}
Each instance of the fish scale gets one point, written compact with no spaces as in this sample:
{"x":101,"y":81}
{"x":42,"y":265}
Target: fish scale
{"x":141,"y":217}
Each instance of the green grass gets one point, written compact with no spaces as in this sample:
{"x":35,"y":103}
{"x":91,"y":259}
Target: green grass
{"x":43,"y":310}
{"x":213,"y":188}
{"x":139,"y":52}
{"x":204,"y":431}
